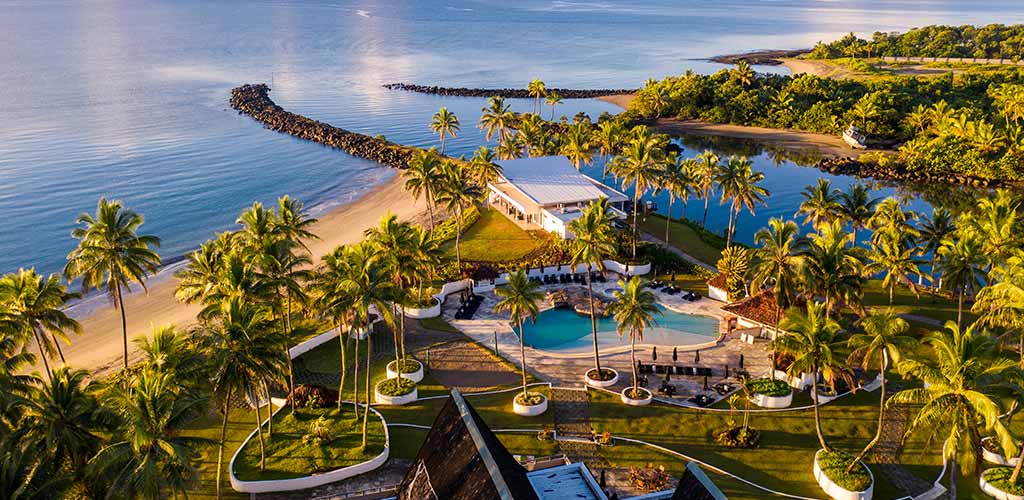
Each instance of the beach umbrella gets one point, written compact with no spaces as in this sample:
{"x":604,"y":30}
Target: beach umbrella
{"x":741,"y":360}
{"x":654,"y":353}
{"x":705,"y":382}
{"x":696,"y":356}
{"x":726,"y":371}
{"x":675,"y":354}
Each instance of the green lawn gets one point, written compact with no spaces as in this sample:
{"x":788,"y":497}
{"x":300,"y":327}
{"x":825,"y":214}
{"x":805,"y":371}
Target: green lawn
{"x":685,"y":237}
{"x":493,"y":238}
{"x":289,"y":457}
{"x":905,"y":302}
{"x":240,"y":424}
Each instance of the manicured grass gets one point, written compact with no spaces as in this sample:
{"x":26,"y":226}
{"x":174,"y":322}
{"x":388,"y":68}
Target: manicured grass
{"x":406,"y":441}
{"x":289,"y":457}
{"x":905,"y":302}
{"x":240,"y":424}
{"x":493,"y":238}
{"x":685,"y":237}
{"x":438,"y":324}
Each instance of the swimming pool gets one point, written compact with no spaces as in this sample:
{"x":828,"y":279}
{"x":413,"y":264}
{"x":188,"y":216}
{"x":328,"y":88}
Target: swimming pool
{"x":563,"y":330}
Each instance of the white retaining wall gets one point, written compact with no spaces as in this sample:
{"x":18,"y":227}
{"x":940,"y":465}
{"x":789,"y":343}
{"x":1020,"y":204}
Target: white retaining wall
{"x":609,"y":265}
{"x":838,"y":492}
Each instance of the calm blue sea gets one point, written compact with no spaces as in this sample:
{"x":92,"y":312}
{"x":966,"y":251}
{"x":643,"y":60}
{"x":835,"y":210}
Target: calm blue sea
{"x":128,"y":99}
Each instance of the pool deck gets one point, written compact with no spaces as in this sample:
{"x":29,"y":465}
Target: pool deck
{"x":566,"y":370}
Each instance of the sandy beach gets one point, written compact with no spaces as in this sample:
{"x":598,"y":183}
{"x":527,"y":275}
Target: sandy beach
{"x":98,"y":348}
{"x":791,"y":139}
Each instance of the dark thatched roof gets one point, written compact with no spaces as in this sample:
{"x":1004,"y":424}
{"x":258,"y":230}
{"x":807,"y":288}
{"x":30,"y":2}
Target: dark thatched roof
{"x":695,"y":485}
{"x":719,"y":281}
{"x":461,"y":459}
{"x":761,"y":308}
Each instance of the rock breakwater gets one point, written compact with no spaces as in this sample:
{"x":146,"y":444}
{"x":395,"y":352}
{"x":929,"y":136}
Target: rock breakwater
{"x":254,"y":100}
{"x":510,"y":93}
{"x":854,"y":167}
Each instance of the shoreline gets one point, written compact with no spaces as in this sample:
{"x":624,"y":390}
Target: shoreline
{"x":792,"y":139}
{"x":769,"y":57}
{"x":99,"y":347}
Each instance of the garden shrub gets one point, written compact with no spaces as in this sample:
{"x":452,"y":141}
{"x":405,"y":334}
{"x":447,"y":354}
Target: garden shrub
{"x":834,"y":463}
{"x":530,"y":398}
{"x":406,"y":366}
{"x":769,"y":387}
{"x":394,"y":387}
{"x":1000,"y":478}
{"x":650,"y":478}
{"x":739,"y":437}
{"x":319,"y":433}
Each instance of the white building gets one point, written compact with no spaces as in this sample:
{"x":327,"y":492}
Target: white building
{"x":547,"y":193}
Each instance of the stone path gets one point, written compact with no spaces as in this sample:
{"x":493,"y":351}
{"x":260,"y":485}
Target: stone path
{"x":571,"y":413}
{"x":887,"y":451}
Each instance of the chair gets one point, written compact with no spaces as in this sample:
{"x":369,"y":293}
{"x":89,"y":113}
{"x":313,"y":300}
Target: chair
{"x":659,"y":369}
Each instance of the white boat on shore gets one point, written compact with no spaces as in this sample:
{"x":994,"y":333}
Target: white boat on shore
{"x":854,"y":137}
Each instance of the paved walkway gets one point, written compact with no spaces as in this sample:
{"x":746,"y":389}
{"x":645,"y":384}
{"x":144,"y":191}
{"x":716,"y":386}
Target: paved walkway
{"x":687,"y":257}
{"x":887,"y":451}
{"x":571,"y":413}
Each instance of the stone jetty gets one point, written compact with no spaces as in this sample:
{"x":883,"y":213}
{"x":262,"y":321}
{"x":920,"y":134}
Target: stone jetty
{"x":852,"y":166}
{"x":254,"y":100}
{"x":510,"y":93}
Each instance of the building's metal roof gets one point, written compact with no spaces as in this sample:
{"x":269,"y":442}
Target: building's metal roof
{"x":550,"y":180}
{"x":566,"y":482}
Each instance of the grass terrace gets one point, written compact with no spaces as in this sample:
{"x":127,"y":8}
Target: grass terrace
{"x":494,"y":238}
{"x":688,"y":237}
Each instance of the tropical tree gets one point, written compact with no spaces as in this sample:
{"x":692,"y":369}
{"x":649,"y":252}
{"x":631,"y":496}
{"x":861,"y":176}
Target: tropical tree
{"x":707,"y":173}
{"x":831,"y":267}
{"x":865,"y":110}
{"x":576,"y":145}
{"x":997,"y":221}
{"x":638,"y":165}
{"x":883,"y":338}
{"x":677,"y":179}
{"x":553,"y":99}
{"x":634,"y":309}
{"x":519,"y":298}
{"x":735,"y":265}
{"x":391,"y":240}
{"x":608,"y":139}
{"x":812,"y":340}
{"x":456,"y":191}
{"x":821,"y":204}
{"x":111,"y":254}
{"x":421,"y":177}
{"x":244,"y":350}
{"x":485,"y":170}
{"x":593,"y":241}
{"x":961,"y":259}
{"x":896,"y":262}
{"x":149,"y":457}
{"x":740,"y":185}
{"x":496,"y":118}
{"x":444,"y":123}
{"x":1001,"y":304}
{"x":33,"y":307}
{"x":958,"y":399}
{"x":933,"y":231}
{"x":776,"y":263}
{"x":892,"y":224}
{"x":293,"y":222}
{"x":536,"y":90}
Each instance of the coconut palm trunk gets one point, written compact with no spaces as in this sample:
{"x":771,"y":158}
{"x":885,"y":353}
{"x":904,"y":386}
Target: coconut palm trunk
{"x":881,"y":415}
{"x":953,"y":471}
{"x":1017,"y":468}
{"x":124,"y":321}
{"x":960,"y":307}
{"x":522,"y":357}
{"x":223,"y":439}
{"x":668,"y":218}
{"x":704,"y":220}
{"x":287,"y":348}
{"x":817,"y":412}
{"x":369,"y":365}
{"x":259,"y":432}
{"x":636,"y":212}
{"x":60,"y":352}
{"x":42,"y":354}
{"x":430,"y":209}
{"x":458,"y":237}
{"x":341,"y":347}
{"x":593,"y":317}
{"x":632,"y":360}
{"x":270,"y":412}
{"x":355,"y":382}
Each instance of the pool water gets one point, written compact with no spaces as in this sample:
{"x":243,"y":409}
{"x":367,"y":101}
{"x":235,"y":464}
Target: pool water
{"x":563,"y":330}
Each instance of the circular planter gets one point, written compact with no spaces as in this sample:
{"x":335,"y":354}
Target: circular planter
{"x":423,"y":312}
{"x":601,"y":383}
{"x":996,"y":493}
{"x":838,"y":492}
{"x":529,"y":411}
{"x":383,"y":399}
{"x":765,"y":401}
{"x":359,"y":334}
{"x":637,"y":402}
{"x":996,"y":458}
{"x":416,"y":376}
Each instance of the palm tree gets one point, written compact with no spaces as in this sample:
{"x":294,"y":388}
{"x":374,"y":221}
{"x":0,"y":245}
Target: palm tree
{"x":445,"y":123}
{"x":536,"y":90}
{"x":421,"y":177}
{"x":1001,"y":304}
{"x":511,"y":149}
{"x":895,"y":261}
{"x":740,"y":184}
{"x":933,"y":231}
{"x":821,"y":204}
{"x":811,"y":339}
{"x":734,"y":265}
{"x":961,"y":258}
{"x":831,"y":267}
{"x":608,"y":140}
{"x":552,"y":100}
{"x":593,"y":242}
{"x":496,"y":117}
{"x":958,"y":398}
{"x":707,"y":173}
{"x":743,"y":74}
{"x":519,"y":298}
{"x":638,"y":166}
{"x":258,"y":227}
{"x":62,"y":421}
{"x":485,"y":170}
{"x":891,"y":223}
{"x":576,"y":145}
{"x":865,"y":109}
{"x":244,"y":349}
{"x":456,"y":191}
{"x":113,"y":255}
{"x":634,"y":309}
{"x":997,"y":220}
{"x":677,"y":179}
{"x":776,"y":262}
{"x":174,"y":352}
{"x":919,"y":119}
{"x":391,"y":241}
{"x":34,"y":307}
{"x":293,"y":222}
{"x":149,"y":458}
{"x":883,"y":338}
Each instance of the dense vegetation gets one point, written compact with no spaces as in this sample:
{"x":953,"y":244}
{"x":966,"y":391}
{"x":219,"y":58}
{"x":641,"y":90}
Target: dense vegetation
{"x":968,"y":124}
{"x":994,"y":41}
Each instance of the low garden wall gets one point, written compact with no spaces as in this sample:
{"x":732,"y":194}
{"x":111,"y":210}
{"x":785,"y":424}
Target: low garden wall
{"x":311,"y":481}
